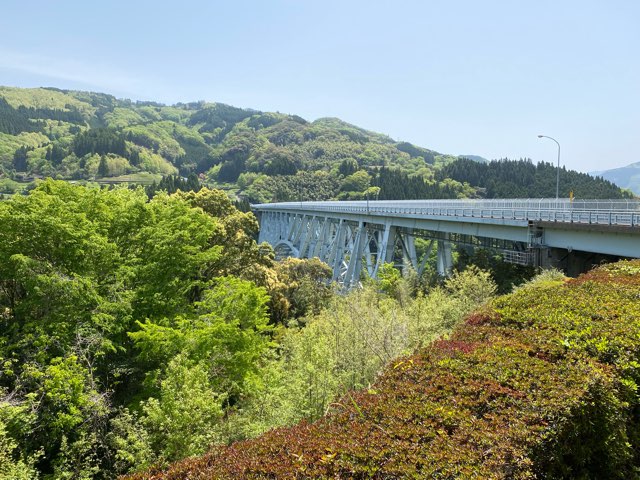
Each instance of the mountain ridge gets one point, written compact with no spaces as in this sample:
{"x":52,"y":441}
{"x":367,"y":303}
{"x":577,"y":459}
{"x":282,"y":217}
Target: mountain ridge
{"x":253,"y":155}
{"x":627,"y":177}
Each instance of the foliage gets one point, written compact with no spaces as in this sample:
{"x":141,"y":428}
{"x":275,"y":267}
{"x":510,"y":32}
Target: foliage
{"x":50,"y":98}
{"x":398,"y":185}
{"x":303,"y":186}
{"x":173,"y":183}
{"x":302,"y":288}
{"x":346,"y":345}
{"x":242,"y":257}
{"x":226,"y":334}
{"x":101,"y":291}
{"x":13,"y":121}
{"x":180,"y":423}
{"x":100,"y":141}
{"x":390,"y":282}
{"x":10,"y":143}
{"x":14,"y":465}
{"x":9,"y":186}
{"x":129,"y":443}
{"x":541,"y":384}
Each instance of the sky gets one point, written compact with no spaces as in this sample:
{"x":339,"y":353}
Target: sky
{"x":459,"y":77}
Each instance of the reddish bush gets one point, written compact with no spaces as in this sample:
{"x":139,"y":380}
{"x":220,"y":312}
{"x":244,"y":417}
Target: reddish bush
{"x":482,"y":318}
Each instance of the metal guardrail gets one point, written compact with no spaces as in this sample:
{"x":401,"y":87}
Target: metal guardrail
{"x":596,"y":212}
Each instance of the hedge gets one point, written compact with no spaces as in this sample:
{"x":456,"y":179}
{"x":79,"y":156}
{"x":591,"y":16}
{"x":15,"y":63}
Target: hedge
{"x":542,"y":383}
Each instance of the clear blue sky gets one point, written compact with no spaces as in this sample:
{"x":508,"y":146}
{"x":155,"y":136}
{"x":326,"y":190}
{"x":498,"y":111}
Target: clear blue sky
{"x":461,"y":77}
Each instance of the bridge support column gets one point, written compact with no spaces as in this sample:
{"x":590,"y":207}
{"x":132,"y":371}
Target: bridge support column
{"x":445,"y":259}
{"x":299,"y":228}
{"x":270,"y":226}
{"x":320,"y":245}
{"x":355,"y":259}
{"x":283,"y":223}
{"x":311,"y":239}
{"x":263,"y":221}
{"x":409,"y":249}
{"x":336,"y":256}
{"x":385,"y":247}
{"x":425,"y":258}
{"x":307,"y":233}
{"x":374,"y":238}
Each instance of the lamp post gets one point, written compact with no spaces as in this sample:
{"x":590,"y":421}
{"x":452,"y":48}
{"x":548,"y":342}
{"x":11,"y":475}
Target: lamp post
{"x":558,"y":172}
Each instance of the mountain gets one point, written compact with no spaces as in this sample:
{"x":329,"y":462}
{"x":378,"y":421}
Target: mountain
{"x":625,"y":177}
{"x":476,"y":158}
{"x":256,"y":156}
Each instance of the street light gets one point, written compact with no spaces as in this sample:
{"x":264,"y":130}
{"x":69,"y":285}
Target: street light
{"x":558,"y":174}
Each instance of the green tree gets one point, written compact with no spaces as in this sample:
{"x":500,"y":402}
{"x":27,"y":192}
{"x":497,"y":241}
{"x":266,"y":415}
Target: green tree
{"x":242,"y":256}
{"x":103,"y":167}
{"x":302,"y":288}
{"x":349,"y":342}
{"x":182,"y":421}
{"x":80,"y":269}
{"x":14,"y":464}
{"x":348,"y":167}
{"x":356,"y":182}
{"x":20,"y":159}
{"x":228,"y":333}
{"x":174,"y":255}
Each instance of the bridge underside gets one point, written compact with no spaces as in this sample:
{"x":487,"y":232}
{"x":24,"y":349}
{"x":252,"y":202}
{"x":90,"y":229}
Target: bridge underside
{"x":352,"y":245}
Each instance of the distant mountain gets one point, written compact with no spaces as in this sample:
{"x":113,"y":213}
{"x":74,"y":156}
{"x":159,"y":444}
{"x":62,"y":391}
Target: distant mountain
{"x":625,"y":177}
{"x":475,"y":158}
{"x":256,"y":156}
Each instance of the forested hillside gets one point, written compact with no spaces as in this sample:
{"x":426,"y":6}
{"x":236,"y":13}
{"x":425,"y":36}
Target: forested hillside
{"x":523,"y":179}
{"x":257,"y":156}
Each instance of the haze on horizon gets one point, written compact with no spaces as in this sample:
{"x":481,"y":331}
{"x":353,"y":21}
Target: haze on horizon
{"x":462,"y":77}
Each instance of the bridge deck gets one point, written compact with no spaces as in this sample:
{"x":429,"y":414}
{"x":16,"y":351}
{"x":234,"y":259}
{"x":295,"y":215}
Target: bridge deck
{"x":518,"y":212}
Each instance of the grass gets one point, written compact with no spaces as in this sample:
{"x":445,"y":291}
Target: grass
{"x":142,"y":178}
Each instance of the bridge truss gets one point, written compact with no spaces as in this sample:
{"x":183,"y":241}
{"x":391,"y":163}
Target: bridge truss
{"x":350,"y":246}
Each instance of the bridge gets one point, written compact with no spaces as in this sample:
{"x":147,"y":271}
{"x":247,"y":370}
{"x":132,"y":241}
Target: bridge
{"x":357,"y":235}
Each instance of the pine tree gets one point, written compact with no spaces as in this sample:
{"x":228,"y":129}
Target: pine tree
{"x":103,"y":168}
{"x":20,"y":159}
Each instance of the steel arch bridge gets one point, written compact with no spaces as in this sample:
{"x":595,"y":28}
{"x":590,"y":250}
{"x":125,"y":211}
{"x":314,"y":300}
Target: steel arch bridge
{"x":352,"y":236}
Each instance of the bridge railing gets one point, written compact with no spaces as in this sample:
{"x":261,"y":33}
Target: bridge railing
{"x":599,"y":212}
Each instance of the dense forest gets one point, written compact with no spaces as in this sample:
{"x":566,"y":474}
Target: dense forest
{"x":254,"y":156}
{"x":136,"y":331}
{"x":523,"y":179}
